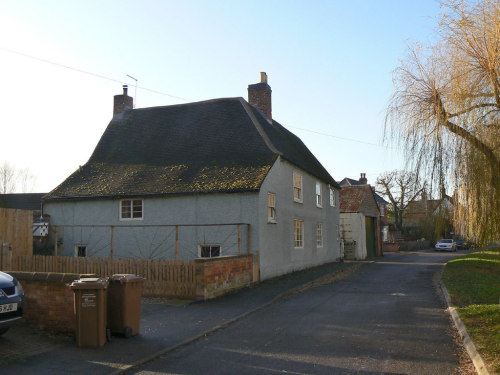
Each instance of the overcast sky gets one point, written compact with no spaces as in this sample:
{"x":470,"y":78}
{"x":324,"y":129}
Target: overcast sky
{"x":329,"y":64}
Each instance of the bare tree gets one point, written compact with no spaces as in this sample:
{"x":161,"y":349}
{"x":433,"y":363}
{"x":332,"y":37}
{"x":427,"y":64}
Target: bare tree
{"x":400,"y":188}
{"x":13,"y":179}
{"x":446,"y":112}
{"x":7,"y":178}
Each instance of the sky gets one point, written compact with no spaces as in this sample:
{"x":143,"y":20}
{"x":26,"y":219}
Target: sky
{"x":329,"y":64}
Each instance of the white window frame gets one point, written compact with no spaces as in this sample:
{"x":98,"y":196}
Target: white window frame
{"x":332,"y":197}
{"x":271,"y":207}
{"x":299,"y":197}
{"x":319,"y":196}
{"x":298,"y":234}
{"x":210,"y":245}
{"x":79,"y":246}
{"x":131,"y":209}
{"x":319,"y":234}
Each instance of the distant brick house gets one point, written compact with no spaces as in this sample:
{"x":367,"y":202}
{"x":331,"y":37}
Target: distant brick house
{"x":420,"y":216}
{"x":200,"y":165}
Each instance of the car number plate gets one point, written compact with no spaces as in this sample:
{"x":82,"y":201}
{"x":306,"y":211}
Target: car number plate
{"x":8,"y":307}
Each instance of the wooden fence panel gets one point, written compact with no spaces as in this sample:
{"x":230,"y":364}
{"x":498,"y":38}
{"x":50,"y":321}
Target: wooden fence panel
{"x":162,"y":277}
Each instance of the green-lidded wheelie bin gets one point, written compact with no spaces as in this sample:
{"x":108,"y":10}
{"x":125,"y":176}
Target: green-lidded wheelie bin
{"x":90,"y":310}
{"x":124,"y":304}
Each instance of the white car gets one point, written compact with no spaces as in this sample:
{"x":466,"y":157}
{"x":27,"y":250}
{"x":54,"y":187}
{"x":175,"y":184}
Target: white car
{"x":446,"y":244}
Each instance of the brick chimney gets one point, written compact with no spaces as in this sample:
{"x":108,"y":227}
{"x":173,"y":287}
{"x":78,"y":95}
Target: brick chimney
{"x":122,"y":102}
{"x":259,"y":95}
{"x":363,"y":178}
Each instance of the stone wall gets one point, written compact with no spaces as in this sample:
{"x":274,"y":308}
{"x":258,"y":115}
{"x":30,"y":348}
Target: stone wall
{"x":49,"y":300}
{"x":221,"y":275}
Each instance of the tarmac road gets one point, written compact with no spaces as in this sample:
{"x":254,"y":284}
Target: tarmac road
{"x":385,"y":319}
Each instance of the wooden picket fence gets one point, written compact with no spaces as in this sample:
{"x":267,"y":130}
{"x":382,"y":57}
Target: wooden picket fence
{"x":163,"y":278}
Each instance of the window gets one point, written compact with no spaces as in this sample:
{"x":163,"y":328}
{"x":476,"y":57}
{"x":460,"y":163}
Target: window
{"x":319,"y":199}
{"x":81,"y":250}
{"x":297,"y":187}
{"x":271,"y":208}
{"x":298,"y":233}
{"x":332,"y":197}
{"x":209,"y":251}
{"x":381,"y":210}
{"x":131,"y":209}
{"x":319,"y":235}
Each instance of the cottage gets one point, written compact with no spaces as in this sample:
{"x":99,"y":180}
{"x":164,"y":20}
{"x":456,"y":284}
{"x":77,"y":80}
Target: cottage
{"x":204,"y":179}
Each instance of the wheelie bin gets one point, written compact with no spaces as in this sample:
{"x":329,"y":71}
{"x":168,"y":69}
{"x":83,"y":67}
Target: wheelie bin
{"x":124,"y":304}
{"x":90,"y":311}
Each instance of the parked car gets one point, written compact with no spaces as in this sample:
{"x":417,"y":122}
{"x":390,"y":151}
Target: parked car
{"x":446,"y":244}
{"x":11,"y":302}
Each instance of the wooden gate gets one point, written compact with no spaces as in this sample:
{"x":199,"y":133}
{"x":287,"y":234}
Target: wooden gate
{"x":16,"y":231}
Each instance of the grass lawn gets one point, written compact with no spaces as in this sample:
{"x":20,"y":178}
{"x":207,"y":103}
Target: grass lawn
{"x":473,"y":282}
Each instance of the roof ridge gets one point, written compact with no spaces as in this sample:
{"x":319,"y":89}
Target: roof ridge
{"x":257,"y":125}
{"x":189,"y":103}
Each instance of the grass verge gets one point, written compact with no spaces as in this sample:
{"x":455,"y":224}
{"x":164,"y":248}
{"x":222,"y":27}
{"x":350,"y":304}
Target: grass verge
{"x":473,"y":282}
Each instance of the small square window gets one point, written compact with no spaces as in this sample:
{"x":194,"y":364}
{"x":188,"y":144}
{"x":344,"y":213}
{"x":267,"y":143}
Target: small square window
{"x":131,"y":209}
{"x":81,"y":251}
{"x":209,"y":251}
{"x":319,"y":198}
{"x":298,"y":233}
{"x":271,"y":208}
{"x":319,"y":235}
{"x":297,"y":187}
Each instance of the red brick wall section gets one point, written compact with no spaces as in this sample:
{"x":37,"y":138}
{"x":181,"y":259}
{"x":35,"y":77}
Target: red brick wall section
{"x":49,"y":300}
{"x":390,"y":247}
{"x":222,"y":275}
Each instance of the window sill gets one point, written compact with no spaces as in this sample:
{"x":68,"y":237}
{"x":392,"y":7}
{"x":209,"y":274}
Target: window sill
{"x":271,"y":221}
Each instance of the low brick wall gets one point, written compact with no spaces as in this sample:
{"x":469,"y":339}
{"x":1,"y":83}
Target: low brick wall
{"x":388,"y":247}
{"x":414,"y":245}
{"x":49,"y":300}
{"x":222,"y":275}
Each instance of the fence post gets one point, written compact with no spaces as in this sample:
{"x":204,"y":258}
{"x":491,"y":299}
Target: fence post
{"x":10,"y":256}
{"x":239,"y":238}
{"x":248,"y":238}
{"x":56,"y":241}
{"x":111,"y":245}
{"x":176,"y":242}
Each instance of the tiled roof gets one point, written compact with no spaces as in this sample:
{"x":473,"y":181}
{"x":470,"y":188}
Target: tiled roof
{"x":221,"y":145}
{"x":24,"y":201}
{"x":423,"y":207}
{"x":358,"y":199}
{"x":350,"y":182}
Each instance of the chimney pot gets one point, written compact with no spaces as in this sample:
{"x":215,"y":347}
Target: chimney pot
{"x":122,"y":102}
{"x":263,"y":77}
{"x":363,"y":178}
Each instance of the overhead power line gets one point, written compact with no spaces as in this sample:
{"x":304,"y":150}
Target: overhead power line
{"x":335,"y":136}
{"x":160,"y":92}
{"x":89,"y":73}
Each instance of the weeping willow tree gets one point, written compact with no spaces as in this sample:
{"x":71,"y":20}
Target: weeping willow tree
{"x":445,"y":111}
